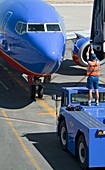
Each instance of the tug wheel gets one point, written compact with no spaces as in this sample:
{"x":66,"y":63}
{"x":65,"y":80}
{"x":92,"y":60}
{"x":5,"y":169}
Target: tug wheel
{"x":82,"y":153}
{"x":63,"y":135}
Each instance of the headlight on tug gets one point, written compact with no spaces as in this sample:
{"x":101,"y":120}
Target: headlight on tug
{"x":101,"y":132}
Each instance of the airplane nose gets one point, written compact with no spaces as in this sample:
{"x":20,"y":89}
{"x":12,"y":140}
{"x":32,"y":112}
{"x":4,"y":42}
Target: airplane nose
{"x":51,"y":48}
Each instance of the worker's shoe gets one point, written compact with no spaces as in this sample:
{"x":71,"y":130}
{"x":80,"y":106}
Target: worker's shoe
{"x":97,"y":103}
{"x":89,"y":103}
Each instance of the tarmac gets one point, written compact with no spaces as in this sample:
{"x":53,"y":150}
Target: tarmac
{"x":70,"y":1}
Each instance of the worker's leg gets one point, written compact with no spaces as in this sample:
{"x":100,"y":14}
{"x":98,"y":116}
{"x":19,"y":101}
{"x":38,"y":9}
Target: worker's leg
{"x":97,"y":97}
{"x":96,"y":80}
{"x":90,"y":95}
{"x":97,"y":94}
{"x":90,"y":86}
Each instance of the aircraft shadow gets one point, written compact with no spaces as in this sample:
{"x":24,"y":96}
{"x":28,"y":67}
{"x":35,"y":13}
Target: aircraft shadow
{"x":14,"y":90}
{"x":55,"y":88}
{"x":49,"y":147}
{"x":68,"y":68}
{"x":15,"y":98}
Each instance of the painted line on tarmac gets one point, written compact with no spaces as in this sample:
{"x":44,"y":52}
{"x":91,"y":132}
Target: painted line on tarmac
{"x":46,"y":106}
{"x":80,"y":80}
{"x":34,"y":162}
{"x":102,"y":81}
{"x":84,"y":78}
{"x":43,"y":113}
{"x":4,"y":85}
{"x":27,"y":121}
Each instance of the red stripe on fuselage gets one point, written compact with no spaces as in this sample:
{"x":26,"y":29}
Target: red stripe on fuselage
{"x":18,"y":66}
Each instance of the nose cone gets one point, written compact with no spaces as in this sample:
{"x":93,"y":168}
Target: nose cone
{"x":50,"y":47}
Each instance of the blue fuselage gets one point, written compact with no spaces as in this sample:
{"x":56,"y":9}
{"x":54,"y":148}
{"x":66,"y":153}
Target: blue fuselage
{"x":32,"y":36}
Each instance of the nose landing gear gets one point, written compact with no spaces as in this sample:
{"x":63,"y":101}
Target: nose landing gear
{"x":36,"y":91}
{"x":36,"y":88}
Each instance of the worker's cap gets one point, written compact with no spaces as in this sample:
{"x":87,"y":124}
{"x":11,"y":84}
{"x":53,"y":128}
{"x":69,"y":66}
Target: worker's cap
{"x":93,"y":56}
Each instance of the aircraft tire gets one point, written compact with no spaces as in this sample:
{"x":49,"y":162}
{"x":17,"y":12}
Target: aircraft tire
{"x":40,"y":92}
{"x":33,"y":92}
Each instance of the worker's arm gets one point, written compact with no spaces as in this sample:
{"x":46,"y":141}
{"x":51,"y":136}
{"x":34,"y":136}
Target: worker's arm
{"x":87,"y":54}
{"x":98,"y":65}
{"x":90,"y":48}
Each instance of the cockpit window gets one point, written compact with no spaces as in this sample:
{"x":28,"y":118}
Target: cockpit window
{"x":24,"y":28}
{"x":53,"y":27}
{"x":18,"y":27}
{"x":21,"y":27}
{"x":36,"y":27}
{"x":43,"y":27}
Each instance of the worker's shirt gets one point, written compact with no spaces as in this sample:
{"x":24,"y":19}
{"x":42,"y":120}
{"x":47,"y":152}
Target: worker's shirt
{"x":93,"y":68}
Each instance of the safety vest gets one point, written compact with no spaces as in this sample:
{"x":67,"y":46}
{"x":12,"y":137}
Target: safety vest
{"x":93,"y":68}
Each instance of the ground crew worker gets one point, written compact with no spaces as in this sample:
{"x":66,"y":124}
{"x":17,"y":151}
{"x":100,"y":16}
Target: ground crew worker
{"x":93,"y":73}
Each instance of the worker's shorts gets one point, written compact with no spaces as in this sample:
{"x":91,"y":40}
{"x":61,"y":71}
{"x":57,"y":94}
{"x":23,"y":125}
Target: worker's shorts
{"x":92,"y":82}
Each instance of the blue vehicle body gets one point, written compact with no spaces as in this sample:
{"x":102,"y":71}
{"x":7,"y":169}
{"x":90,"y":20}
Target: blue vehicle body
{"x":87,"y":121}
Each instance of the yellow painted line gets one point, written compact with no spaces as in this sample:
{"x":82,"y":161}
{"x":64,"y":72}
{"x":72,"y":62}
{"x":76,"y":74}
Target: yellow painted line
{"x":9,"y":110}
{"x":43,"y":114}
{"x":48,"y":98}
{"x":34,"y":162}
{"x":46,"y":106}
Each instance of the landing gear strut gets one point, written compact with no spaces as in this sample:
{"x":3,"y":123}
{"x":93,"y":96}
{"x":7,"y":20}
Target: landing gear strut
{"x":36,"y":89}
{"x":47,"y":79}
